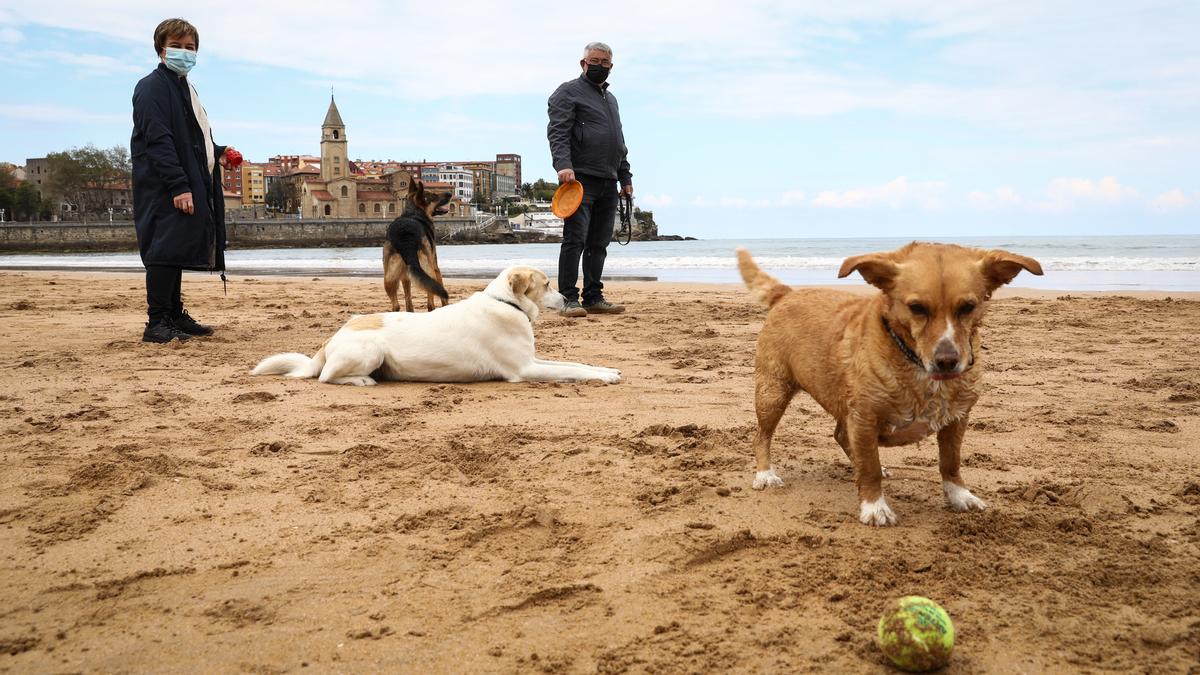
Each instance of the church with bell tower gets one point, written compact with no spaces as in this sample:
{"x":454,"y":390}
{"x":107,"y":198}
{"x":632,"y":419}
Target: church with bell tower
{"x":335,"y":164}
{"x":336,"y":191}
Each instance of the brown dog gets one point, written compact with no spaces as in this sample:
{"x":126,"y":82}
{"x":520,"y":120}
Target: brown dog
{"x":891,"y":368}
{"x":410,"y":252}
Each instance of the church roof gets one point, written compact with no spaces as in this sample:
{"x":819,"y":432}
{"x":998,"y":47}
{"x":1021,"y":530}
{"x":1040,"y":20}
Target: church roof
{"x":322,"y":195}
{"x":371,"y":195}
{"x":333,"y":118}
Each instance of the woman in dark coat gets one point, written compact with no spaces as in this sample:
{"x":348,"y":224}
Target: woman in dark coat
{"x":178,"y":202}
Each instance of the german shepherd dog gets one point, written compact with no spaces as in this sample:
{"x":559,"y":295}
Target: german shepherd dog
{"x":409,"y":254}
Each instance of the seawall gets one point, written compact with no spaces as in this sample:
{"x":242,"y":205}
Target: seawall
{"x":80,"y":237}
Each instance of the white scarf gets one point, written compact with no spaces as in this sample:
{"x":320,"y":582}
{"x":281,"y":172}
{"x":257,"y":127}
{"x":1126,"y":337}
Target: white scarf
{"x":205,"y":130}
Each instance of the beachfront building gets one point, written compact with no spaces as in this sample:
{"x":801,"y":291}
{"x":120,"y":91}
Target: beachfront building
{"x":37,"y":171}
{"x":509,"y":165}
{"x":332,"y":185}
{"x":336,"y":187}
{"x":545,"y":223}
{"x":490,"y":179}
{"x":17,"y":172}
{"x":462,"y":180}
{"x":249,"y":181}
{"x":504,"y":186}
{"x":233,"y":200}
{"x":115,"y":194}
{"x":254,"y":186}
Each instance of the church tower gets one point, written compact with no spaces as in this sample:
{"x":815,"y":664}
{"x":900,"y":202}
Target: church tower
{"x":335,"y":163}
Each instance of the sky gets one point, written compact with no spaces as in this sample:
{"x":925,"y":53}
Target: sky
{"x":760,"y":118}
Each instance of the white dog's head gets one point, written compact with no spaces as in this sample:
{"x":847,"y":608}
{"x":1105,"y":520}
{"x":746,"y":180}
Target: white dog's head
{"x":528,"y":287}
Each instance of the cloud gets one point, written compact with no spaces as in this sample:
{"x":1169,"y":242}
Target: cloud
{"x":1065,"y":194}
{"x":655,"y":201}
{"x":993,"y":200}
{"x":731,"y":202}
{"x":895,"y":194}
{"x":1172,"y":200}
{"x":1107,"y":189}
{"x":992,"y":62}
{"x":88,"y":63}
{"x":56,"y":114}
{"x":793,"y":198}
{"x":1081,"y":90}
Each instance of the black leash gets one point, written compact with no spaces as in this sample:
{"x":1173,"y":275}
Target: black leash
{"x":625,"y":208}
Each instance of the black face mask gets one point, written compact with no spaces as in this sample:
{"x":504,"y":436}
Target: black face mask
{"x":597,"y":73}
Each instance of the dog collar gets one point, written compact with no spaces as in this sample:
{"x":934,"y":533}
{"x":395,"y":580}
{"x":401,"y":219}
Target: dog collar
{"x":904,"y":349}
{"x":510,"y":304}
{"x":909,"y":353}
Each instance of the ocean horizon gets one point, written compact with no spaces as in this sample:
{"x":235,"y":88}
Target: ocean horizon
{"x":1101,"y":263}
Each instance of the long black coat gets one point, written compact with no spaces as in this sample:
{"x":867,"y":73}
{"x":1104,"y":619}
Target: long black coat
{"x":168,"y":160}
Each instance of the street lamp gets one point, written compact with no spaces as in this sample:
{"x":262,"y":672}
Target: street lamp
{"x":110,"y":212}
{"x":1,"y":215}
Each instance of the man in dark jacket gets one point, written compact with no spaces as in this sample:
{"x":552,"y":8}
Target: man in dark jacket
{"x":178,"y":203}
{"x":588,"y":145}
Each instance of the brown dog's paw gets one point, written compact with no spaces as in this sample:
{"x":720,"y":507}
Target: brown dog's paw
{"x":767,"y":479}
{"x":876,"y":513}
{"x":960,"y":498}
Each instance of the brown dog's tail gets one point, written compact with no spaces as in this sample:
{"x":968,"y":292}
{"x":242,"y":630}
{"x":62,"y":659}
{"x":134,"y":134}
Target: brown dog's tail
{"x":766,"y":288}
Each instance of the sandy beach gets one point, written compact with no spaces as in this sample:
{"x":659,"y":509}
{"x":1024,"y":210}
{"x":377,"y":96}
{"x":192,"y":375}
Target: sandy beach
{"x":162,"y":510}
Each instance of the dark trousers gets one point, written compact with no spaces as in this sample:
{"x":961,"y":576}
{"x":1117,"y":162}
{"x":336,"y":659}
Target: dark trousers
{"x":587,"y":233}
{"x":163,"y":291}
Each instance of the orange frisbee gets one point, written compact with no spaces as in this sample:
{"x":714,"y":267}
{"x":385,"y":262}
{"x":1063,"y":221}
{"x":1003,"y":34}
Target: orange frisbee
{"x":567,"y":199}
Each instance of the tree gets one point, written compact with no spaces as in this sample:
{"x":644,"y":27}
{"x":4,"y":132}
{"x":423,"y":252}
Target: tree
{"x":543,"y":191}
{"x":20,"y":201}
{"x":282,"y":195}
{"x":83,"y":177}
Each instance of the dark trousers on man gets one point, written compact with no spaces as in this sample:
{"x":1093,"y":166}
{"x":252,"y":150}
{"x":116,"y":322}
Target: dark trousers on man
{"x":587,"y":233}
{"x":163,"y":291}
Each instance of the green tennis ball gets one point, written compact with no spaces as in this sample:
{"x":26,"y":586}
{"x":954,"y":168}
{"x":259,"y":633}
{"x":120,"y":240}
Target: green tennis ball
{"x":916,"y":634}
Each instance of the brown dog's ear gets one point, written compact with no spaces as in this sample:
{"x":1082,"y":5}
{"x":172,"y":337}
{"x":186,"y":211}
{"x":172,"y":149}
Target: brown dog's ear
{"x":877,"y":268}
{"x":1001,"y":267}
{"x":519,"y":282}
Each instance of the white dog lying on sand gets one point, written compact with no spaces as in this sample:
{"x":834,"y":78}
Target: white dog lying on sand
{"x":488,"y":336}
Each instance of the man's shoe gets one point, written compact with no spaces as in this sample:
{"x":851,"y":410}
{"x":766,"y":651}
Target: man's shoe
{"x":187,"y":324}
{"x":162,"y":332}
{"x":603,"y":306}
{"x":573,"y":309}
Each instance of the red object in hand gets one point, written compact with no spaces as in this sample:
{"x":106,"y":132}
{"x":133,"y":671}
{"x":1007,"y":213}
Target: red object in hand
{"x":233,"y":158}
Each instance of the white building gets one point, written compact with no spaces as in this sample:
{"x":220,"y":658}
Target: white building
{"x":462,"y":180}
{"x":546,"y":223}
{"x":506,"y":186}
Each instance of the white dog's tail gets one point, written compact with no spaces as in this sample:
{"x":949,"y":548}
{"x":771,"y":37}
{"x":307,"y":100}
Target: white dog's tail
{"x":292,"y":364}
{"x":765,"y":288}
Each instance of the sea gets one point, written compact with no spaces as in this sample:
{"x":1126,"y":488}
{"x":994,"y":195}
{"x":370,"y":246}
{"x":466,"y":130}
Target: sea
{"x":1102,"y":263}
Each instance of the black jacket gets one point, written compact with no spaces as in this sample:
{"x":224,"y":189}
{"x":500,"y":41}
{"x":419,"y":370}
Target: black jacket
{"x":585,"y":131}
{"x":168,"y":160}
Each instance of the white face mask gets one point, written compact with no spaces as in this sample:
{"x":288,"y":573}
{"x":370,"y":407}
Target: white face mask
{"x":179,"y":60}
